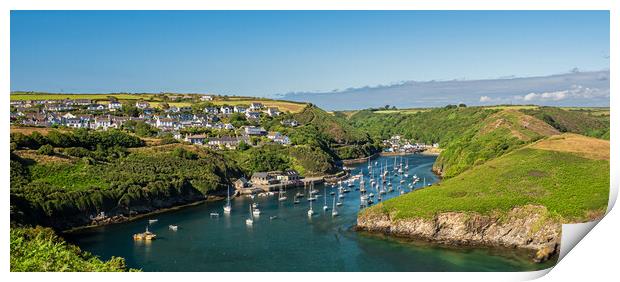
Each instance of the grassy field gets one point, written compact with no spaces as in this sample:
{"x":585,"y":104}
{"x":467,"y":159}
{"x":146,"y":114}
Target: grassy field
{"x":155,"y":100}
{"x":27,"y":130}
{"x":283,"y":106}
{"x":572,"y":185}
{"x":403,"y":111}
{"x":97,"y":97}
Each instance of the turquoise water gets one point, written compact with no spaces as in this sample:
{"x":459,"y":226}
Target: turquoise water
{"x":291,"y":242}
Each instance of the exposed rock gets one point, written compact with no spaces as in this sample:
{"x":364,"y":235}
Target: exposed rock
{"x":528,"y":227}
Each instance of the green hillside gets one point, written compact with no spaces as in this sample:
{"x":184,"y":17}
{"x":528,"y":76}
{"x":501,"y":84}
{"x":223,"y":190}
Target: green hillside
{"x":568,"y":174}
{"x":439,"y":125}
{"x":40,"y":249}
{"x":333,"y":133}
{"x":495,"y":135}
{"x":588,"y":121}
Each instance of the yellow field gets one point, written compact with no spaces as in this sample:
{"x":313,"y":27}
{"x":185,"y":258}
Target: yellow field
{"x":594,"y":111}
{"x":154,"y":100}
{"x":588,"y":147}
{"x":401,"y":111}
{"x":283,"y":106}
{"x":26,"y":130}
{"x":514,"y":107}
{"x":97,"y":97}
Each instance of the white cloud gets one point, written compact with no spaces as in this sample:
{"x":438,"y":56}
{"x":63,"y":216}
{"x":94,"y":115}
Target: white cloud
{"x":485,"y":99}
{"x":546,"y":96}
{"x":575,"y":92}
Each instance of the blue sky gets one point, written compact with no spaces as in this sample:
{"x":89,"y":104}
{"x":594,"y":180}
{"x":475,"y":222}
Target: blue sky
{"x":262,"y":53}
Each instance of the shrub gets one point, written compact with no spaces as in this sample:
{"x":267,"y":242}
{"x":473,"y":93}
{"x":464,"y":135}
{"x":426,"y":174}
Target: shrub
{"x":46,"y":150}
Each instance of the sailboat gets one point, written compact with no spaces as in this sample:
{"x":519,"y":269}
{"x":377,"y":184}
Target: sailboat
{"x":311,"y":192}
{"x":334,"y":211}
{"x":255,"y":210}
{"x":281,"y":195}
{"x":295,"y":199}
{"x":249,"y":221}
{"x":310,"y":211}
{"x":227,"y":207}
{"x":325,"y":207}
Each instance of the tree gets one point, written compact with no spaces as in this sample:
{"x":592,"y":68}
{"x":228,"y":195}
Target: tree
{"x":243,"y":146}
{"x":46,"y":149}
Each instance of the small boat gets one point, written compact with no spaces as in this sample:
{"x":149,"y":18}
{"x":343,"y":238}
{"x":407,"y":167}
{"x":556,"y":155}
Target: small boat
{"x":363,"y":199}
{"x":273,"y":217}
{"x":299,"y":195}
{"x":325,"y":208}
{"x":310,"y":211}
{"x":173,"y":227}
{"x":282,"y":197}
{"x":254,"y":205}
{"x":256,"y":212}
{"x":151,"y":221}
{"x":214,"y":214}
{"x":339,"y":203}
{"x":146,"y":235}
{"x":350,"y":184}
{"x":332,"y":193}
{"x":227,"y":207}
{"x":249,"y":221}
{"x":340,"y":196}
{"x":371,"y":195}
{"x":334,"y":211}
{"x":296,"y":200}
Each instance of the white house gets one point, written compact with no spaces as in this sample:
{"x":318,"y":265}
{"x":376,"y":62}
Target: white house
{"x":272,"y":112}
{"x":142,"y":105}
{"x":252,"y":115}
{"x":240,"y":109}
{"x":256,"y":106}
{"x":196,"y":139}
{"x":113,"y":106}
{"x":226,"y":110}
{"x":254,"y":130}
{"x":206,"y":98}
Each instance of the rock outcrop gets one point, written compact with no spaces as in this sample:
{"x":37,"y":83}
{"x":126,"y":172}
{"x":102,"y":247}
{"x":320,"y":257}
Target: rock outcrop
{"x":528,"y":227}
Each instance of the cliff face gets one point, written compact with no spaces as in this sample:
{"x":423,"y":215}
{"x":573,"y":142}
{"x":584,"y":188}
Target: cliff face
{"x":528,"y":227}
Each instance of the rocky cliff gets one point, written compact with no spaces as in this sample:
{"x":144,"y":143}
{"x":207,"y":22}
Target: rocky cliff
{"x":529,"y":227}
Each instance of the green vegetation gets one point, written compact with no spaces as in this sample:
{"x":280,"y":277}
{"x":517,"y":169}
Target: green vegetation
{"x":65,"y":193}
{"x":40,"y":249}
{"x":78,"y":138}
{"x":333,"y":133}
{"x":572,"y":186}
{"x":439,"y":125}
{"x":496,"y":135}
{"x":585,"y":121}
